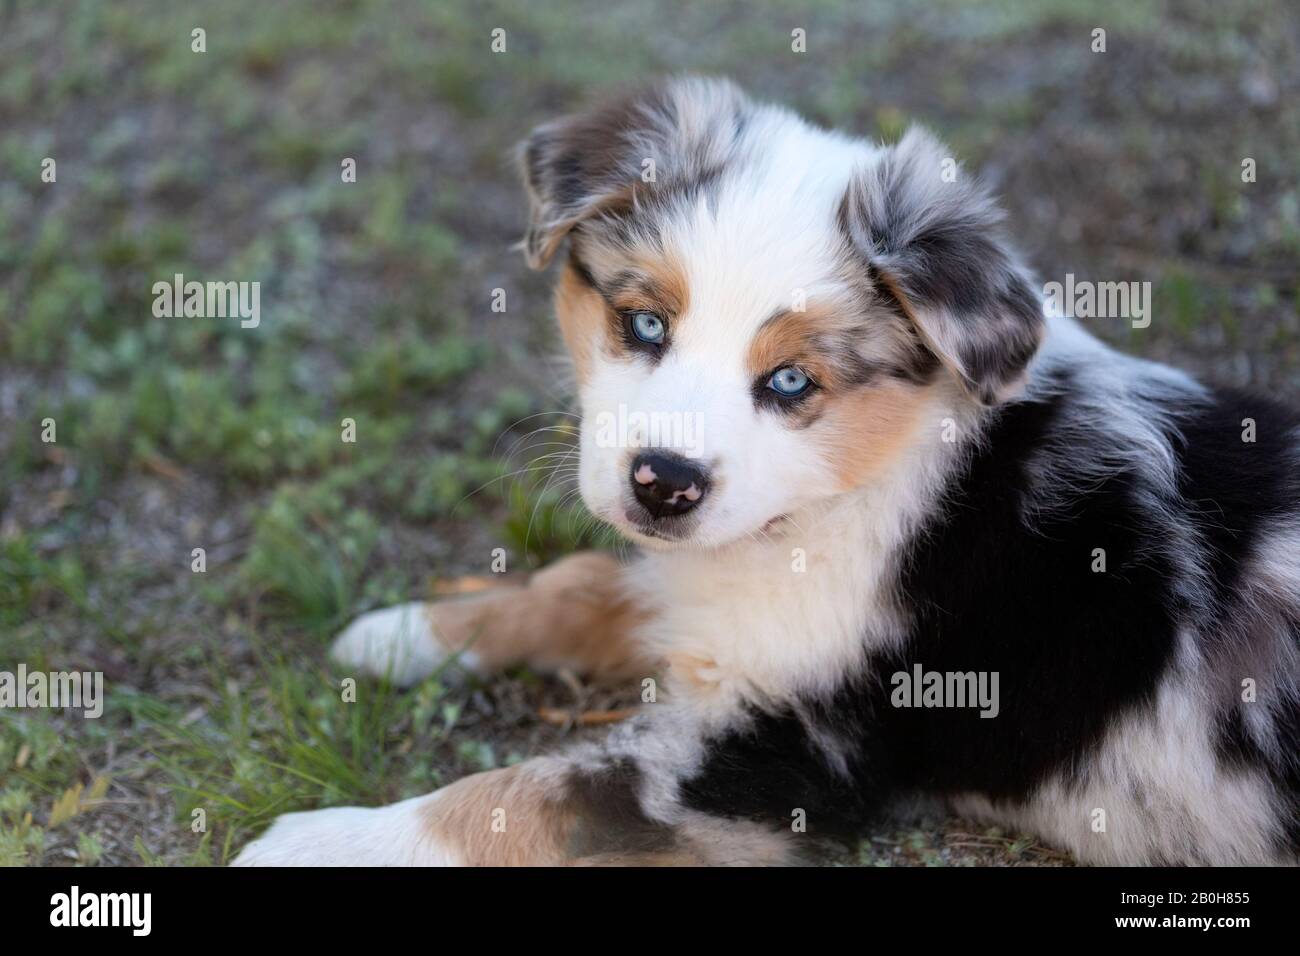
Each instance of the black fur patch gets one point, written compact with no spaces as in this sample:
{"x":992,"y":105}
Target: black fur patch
{"x":993,"y":589}
{"x":772,"y":767}
{"x":1233,"y":488}
{"x":607,"y":808}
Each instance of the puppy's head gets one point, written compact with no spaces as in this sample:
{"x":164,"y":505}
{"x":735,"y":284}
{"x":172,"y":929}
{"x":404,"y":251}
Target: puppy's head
{"x":760,"y":312}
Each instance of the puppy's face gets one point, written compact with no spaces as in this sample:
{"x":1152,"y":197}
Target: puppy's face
{"x":730,"y":369}
{"x":760,"y":312}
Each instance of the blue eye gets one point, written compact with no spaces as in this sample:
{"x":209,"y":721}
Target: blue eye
{"x":789,"y":382}
{"x":647,"y":327}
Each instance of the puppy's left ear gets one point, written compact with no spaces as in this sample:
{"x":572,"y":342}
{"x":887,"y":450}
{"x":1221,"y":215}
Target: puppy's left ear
{"x":579,"y":166}
{"x":591,"y":163}
{"x":932,"y":244}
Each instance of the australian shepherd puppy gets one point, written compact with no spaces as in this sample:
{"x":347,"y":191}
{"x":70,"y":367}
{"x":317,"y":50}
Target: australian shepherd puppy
{"x":904,"y":534}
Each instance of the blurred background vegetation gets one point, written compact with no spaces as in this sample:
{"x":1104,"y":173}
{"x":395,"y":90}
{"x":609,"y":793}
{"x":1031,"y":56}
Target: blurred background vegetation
{"x":183,"y":433}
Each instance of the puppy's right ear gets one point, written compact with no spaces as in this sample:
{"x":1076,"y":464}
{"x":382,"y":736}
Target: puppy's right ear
{"x":935,"y":247}
{"x":594,"y":163}
{"x":578,"y":166}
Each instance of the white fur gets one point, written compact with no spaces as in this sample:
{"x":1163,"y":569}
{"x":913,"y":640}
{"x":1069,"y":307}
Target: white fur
{"x":1165,"y":795}
{"x":397,"y":643}
{"x":395,"y":835}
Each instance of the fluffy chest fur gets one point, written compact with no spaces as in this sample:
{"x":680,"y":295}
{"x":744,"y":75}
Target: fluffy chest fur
{"x":789,"y":611}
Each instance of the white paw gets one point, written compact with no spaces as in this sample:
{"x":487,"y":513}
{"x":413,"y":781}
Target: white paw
{"x":396,"y":835}
{"x":396,"y":642}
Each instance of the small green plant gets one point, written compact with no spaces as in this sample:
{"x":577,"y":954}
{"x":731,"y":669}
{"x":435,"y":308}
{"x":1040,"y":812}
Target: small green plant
{"x":307,"y":557}
{"x":297,"y":739}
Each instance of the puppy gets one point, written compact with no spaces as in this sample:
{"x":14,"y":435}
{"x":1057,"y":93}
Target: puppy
{"x":904,"y":535}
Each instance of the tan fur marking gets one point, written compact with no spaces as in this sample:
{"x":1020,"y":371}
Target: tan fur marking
{"x":782,"y":340}
{"x":665,"y":289}
{"x":538,"y":824}
{"x":572,"y":614}
{"x":526,"y":804}
{"x":694,"y":671}
{"x":641,"y":279}
{"x":582,"y":318}
{"x":863,"y":432}
{"x":800,"y":338}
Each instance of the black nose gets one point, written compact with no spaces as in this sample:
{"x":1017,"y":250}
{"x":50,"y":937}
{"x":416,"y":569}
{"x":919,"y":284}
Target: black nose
{"x":667,"y":484}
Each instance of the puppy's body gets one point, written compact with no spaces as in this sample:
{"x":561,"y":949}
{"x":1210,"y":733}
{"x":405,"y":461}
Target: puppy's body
{"x":1121,"y":690}
{"x":960,"y":487}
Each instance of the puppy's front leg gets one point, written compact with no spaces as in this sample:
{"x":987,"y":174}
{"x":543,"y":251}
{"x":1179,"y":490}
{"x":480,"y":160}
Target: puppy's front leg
{"x":574,"y":613}
{"x":513,"y":816}
{"x":545,"y":812}
{"x":594,"y":806}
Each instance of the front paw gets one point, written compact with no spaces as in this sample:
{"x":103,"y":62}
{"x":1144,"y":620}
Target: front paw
{"x":396,"y":835}
{"x":398,"y":643}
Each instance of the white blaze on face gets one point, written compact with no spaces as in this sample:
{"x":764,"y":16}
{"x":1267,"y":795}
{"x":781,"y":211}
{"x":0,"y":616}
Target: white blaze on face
{"x":761,"y":242}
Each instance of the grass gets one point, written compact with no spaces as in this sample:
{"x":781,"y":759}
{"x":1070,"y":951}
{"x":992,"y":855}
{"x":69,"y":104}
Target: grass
{"x":181,"y":434}
{"x":301,"y":740}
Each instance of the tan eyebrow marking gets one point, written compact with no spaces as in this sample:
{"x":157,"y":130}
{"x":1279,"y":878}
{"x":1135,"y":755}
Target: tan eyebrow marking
{"x":817,"y":339}
{"x":582,"y":314}
{"x":586,"y":305}
{"x":657,"y":284}
{"x":626,"y":280}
